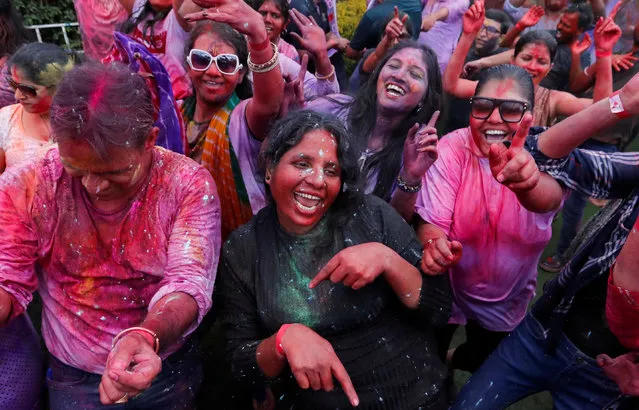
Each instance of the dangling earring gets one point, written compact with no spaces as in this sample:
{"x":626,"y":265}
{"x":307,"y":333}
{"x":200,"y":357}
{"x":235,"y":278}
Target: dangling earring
{"x":267,"y":178}
{"x":419,"y":107}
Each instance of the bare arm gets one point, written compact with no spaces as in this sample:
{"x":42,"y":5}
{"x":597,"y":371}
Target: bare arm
{"x":453,"y":84}
{"x":544,"y":197}
{"x":404,"y":278}
{"x":171,"y":316}
{"x":181,"y":9}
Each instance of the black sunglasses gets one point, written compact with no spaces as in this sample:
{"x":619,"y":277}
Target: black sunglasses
{"x":27,"y":90}
{"x":490,"y":29}
{"x":509,"y":110}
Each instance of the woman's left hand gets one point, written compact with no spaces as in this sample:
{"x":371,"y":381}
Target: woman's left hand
{"x":514,"y":167}
{"x":355,"y":266}
{"x":313,"y":38}
{"x":236,"y":14}
{"x":294,"y":90}
{"x":420,"y":150}
{"x":606,"y":35}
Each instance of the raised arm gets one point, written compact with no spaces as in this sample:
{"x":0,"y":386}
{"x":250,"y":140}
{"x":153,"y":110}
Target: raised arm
{"x":580,"y":79}
{"x":607,"y":33}
{"x":392,"y":33}
{"x":530,"y":19}
{"x":472,"y":22}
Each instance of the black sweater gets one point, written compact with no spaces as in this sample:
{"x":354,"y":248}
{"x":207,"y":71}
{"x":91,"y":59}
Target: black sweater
{"x":388,"y":350}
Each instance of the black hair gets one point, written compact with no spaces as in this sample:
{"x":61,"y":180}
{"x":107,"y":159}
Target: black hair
{"x":541,"y":37}
{"x":584,"y":10}
{"x":290,"y":130}
{"x":143,"y":16}
{"x":13,"y":34}
{"x":232,"y":38}
{"x":282,"y":5}
{"x":42,"y":63}
{"x":103,"y":105}
{"x":509,"y":71}
{"x":363,"y":114}
{"x":408,"y":24}
{"x":502,"y":18}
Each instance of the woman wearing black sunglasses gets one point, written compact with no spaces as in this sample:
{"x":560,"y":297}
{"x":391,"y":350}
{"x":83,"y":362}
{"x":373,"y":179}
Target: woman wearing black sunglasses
{"x":535,"y":52}
{"x":502,"y":229}
{"x":35,"y":71}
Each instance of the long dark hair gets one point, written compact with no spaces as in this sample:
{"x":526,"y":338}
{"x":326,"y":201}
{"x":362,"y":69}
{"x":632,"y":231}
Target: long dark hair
{"x":13,"y":34}
{"x":148,"y":28}
{"x":363,"y":113}
{"x":231,"y":37}
{"x":290,"y":130}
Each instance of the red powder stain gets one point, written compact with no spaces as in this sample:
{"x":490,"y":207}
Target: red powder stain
{"x":97,"y":94}
{"x":504,"y":87}
{"x":539,"y":52}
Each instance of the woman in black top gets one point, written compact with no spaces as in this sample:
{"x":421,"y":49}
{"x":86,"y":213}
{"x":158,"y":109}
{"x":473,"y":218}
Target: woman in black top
{"x":322,"y":288}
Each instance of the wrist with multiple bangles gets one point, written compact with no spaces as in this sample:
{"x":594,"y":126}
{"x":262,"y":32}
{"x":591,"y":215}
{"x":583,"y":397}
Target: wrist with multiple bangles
{"x":267,"y":66}
{"x":407,"y":187}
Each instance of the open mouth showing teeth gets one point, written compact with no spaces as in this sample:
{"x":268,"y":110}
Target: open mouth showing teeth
{"x":395,"y":90}
{"x":307,"y":202}
{"x":495,"y":136}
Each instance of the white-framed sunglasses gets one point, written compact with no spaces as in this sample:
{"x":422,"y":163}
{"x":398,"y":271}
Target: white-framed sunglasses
{"x":200,"y":60}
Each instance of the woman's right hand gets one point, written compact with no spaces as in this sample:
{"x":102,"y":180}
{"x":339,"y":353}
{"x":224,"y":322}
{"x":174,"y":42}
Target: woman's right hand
{"x":236,"y":14}
{"x":473,"y":19}
{"x":314,"y":362}
{"x":532,"y":17}
{"x":395,"y":27}
{"x":439,"y":255}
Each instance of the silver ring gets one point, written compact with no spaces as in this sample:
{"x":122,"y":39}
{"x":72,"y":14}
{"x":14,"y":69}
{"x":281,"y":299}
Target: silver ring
{"x":123,"y":399}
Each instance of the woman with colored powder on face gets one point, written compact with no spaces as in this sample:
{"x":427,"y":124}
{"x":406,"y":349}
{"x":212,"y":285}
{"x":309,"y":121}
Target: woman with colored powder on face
{"x":125,"y":237}
{"x":25,"y":129}
{"x":323,"y":287}
{"x":535,"y":52}
{"x":502,"y":228}
{"x":226,"y":119}
{"x":14,"y":35}
{"x":392,"y":122}
{"x":159,"y":26}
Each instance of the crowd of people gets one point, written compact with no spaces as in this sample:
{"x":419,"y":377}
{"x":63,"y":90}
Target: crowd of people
{"x":213,"y":214}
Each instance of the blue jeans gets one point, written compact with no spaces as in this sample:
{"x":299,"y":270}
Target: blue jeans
{"x":520,"y":367}
{"x":174,"y":388}
{"x":574,"y":206}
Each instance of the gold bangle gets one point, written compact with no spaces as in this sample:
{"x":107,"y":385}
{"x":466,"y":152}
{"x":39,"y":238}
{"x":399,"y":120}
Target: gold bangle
{"x":326,"y":77}
{"x":267,"y":66}
{"x":156,"y":339}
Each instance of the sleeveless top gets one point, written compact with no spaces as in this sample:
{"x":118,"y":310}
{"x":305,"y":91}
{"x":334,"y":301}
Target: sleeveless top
{"x":541,"y":112}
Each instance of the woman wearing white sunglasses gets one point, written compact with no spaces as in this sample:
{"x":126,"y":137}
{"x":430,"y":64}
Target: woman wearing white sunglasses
{"x":226,"y":120}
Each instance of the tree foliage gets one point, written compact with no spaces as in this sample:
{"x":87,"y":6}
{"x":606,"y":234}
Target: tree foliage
{"x":51,"y":12}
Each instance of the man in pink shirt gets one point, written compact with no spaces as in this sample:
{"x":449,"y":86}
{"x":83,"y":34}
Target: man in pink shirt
{"x":120,"y":238}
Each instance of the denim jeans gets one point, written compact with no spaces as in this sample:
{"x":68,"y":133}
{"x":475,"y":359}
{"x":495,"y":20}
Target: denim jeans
{"x":520,"y":367}
{"x":574,"y":206}
{"x":174,"y":388}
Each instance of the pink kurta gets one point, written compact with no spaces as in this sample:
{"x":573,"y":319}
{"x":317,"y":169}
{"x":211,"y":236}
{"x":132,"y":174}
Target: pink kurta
{"x":502,"y":241}
{"x":166,"y":240}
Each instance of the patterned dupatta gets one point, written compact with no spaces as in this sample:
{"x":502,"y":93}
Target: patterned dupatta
{"x":219,"y":158}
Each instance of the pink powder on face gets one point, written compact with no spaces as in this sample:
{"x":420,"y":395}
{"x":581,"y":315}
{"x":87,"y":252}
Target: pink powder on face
{"x":102,"y":272}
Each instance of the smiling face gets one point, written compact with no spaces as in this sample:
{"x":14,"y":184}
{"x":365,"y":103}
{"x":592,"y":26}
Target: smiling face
{"x":493,"y":129}
{"x":568,"y":28}
{"x":40,"y":103}
{"x":211,"y":86}
{"x":488,"y":37}
{"x":306,"y":182}
{"x":273,"y":20}
{"x":107,"y":181}
{"x":535,"y":59}
{"x":402,"y":82}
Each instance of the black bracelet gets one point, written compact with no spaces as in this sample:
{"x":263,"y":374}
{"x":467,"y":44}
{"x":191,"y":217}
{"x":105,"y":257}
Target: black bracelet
{"x":406,"y":187}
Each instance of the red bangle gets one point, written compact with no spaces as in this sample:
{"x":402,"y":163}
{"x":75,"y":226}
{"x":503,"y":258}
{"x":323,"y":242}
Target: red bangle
{"x":278,"y":339}
{"x":603,"y":54}
{"x":520,"y":26}
{"x":259,"y":46}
